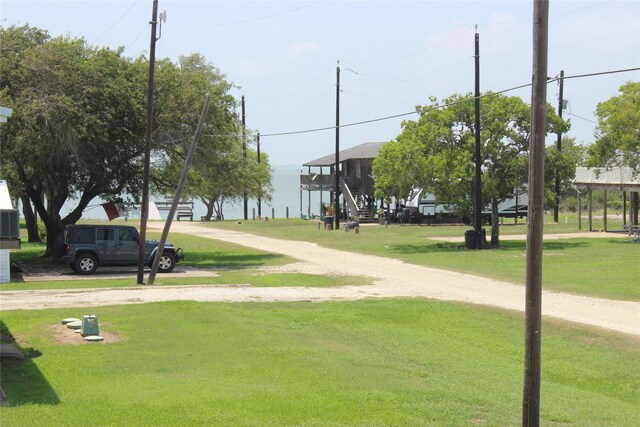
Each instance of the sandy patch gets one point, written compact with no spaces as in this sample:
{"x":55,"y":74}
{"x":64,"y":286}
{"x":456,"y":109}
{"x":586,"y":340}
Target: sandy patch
{"x":63,"y":335}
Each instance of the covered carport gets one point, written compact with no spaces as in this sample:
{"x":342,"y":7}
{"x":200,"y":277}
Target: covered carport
{"x":614,"y":179}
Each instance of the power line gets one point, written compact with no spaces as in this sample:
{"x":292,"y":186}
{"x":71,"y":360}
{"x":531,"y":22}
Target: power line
{"x":585,"y":119}
{"x":519,"y":21}
{"x":117,"y":20}
{"x":395,"y":58}
{"x":259,"y":18}
{"x":137,"y":37}
{"x":415,"y":79}
{"x":433,"y":107}
{"x":601,"y":73}
{"x":309,"y":83}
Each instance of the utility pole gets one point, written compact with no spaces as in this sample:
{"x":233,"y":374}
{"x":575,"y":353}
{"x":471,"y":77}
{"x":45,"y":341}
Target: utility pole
{"x":244,"y":153}
{"x":336,"y":198}
{"x":259,"y":198}
{"x":535,"y":218}
{"x":556,"y":209}
{"x":144,"y":209}
{"x":178,"y":193}
{"x":478,"y":176}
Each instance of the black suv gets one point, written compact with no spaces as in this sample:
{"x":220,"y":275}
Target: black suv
{"x":87,"y":246}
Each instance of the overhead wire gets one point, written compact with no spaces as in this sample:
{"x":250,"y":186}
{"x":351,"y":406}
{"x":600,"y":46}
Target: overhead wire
{"x":438,"y":106}
{"x":432,"y":107}
{"x":117,"y":20}
{"x":304,"y":86}
{"x":583,"y":118}
{"x":246,"y":21}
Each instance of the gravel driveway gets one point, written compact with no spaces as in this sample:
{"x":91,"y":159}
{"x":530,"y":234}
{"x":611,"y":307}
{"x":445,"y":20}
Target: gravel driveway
{"x":391,"y":278}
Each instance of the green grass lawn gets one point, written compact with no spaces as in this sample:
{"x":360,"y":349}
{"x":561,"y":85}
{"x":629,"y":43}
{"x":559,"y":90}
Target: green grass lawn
{"x":232,"y":263}
{"x":605,"y":268}
{"x":364,"y":363}
{"x":602,"y":267}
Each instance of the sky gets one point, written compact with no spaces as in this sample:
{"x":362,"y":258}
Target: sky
{"x":393,"y":55}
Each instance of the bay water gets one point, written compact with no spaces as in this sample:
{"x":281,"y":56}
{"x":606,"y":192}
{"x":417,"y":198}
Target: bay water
{"x":286,"y":194}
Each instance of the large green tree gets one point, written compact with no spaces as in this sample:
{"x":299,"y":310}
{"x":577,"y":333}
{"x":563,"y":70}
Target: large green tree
{"x":222,"y":170}
{"x":564,"y":162}
{"x":438,"y":151}
{"x":76,"y":126}
{"x":77,"y":131}
{"x":617,"y":136}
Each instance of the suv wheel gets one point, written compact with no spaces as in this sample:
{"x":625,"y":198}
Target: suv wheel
{"x":167,"y":262}
{"x":85,"y":264}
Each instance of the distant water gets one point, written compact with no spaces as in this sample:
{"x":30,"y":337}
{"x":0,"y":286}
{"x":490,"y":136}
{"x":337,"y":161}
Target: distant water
{"x":286,"y":193}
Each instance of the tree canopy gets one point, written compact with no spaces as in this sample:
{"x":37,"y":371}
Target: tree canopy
{"x":436,"y":152}
{"x":225,"y":167}
{"x":617,"y":139}
{"x":78,"y":125}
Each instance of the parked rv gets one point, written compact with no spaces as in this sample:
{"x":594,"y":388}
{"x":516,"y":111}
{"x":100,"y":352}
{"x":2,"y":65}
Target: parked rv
{"x":423,"y":208}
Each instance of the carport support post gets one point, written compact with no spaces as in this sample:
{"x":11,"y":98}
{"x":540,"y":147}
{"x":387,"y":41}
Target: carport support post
{"x":579,"y":211}
{"x":605,"y":211}
{"x":590,"y":210}
{"x":176,"y":197}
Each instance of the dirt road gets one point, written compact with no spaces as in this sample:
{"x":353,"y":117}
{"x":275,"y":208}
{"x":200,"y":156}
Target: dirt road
{"x":391,"y":278}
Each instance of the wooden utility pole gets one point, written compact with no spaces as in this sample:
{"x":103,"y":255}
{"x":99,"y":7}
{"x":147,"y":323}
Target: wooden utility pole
{"x":144,"y":209}
{"x":535,"y":218}
{"x":244,"y":153}
{"x":478,"y":175}
{"x":336,"y":196}
{"x":178,"y":194}
{"x":556,"y":209}
{"x":259,"y":198}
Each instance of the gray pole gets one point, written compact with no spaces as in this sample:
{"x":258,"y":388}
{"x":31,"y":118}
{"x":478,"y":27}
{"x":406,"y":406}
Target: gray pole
{"x":535,"y":220}
{"x":244,"y":153}
{"x":336,"y":197}
{"x":144,"y":209}
{"x":556,"y":209}
{"x":176,"y":197}
{"x":478,"y":175}
{"x":259,"y":198}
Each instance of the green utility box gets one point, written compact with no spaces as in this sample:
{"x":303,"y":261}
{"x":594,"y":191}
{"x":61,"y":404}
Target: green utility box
{"x":89,"y":325}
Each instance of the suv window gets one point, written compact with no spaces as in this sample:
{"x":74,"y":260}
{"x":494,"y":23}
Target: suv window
{"x":105,"y":234}
{"x":82,"y":235}
{"x":126,"y":234}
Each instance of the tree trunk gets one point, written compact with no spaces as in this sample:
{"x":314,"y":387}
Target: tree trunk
{"x":218,"y":209}
{"x":55,"y":237}
{"x":633,"y":206}
{"x":30,"y":219}
{"x":495,"y":224}
{"x":209,"y":205}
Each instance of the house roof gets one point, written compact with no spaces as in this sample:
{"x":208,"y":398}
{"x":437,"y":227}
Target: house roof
{"x":368,"y":150}
{"x":620,"y":179}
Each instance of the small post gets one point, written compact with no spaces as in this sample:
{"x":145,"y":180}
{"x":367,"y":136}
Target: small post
{"x":579,"y":211}
{"x":590,"y":210}
{"x":273,"y":213}
{"x":254,"y":214}
{"x":605,"y":211}
{"x":624,"y":208}
{"x":287,"y":212}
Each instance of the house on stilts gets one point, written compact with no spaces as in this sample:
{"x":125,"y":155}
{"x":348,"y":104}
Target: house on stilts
{"x":355,"y":180}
